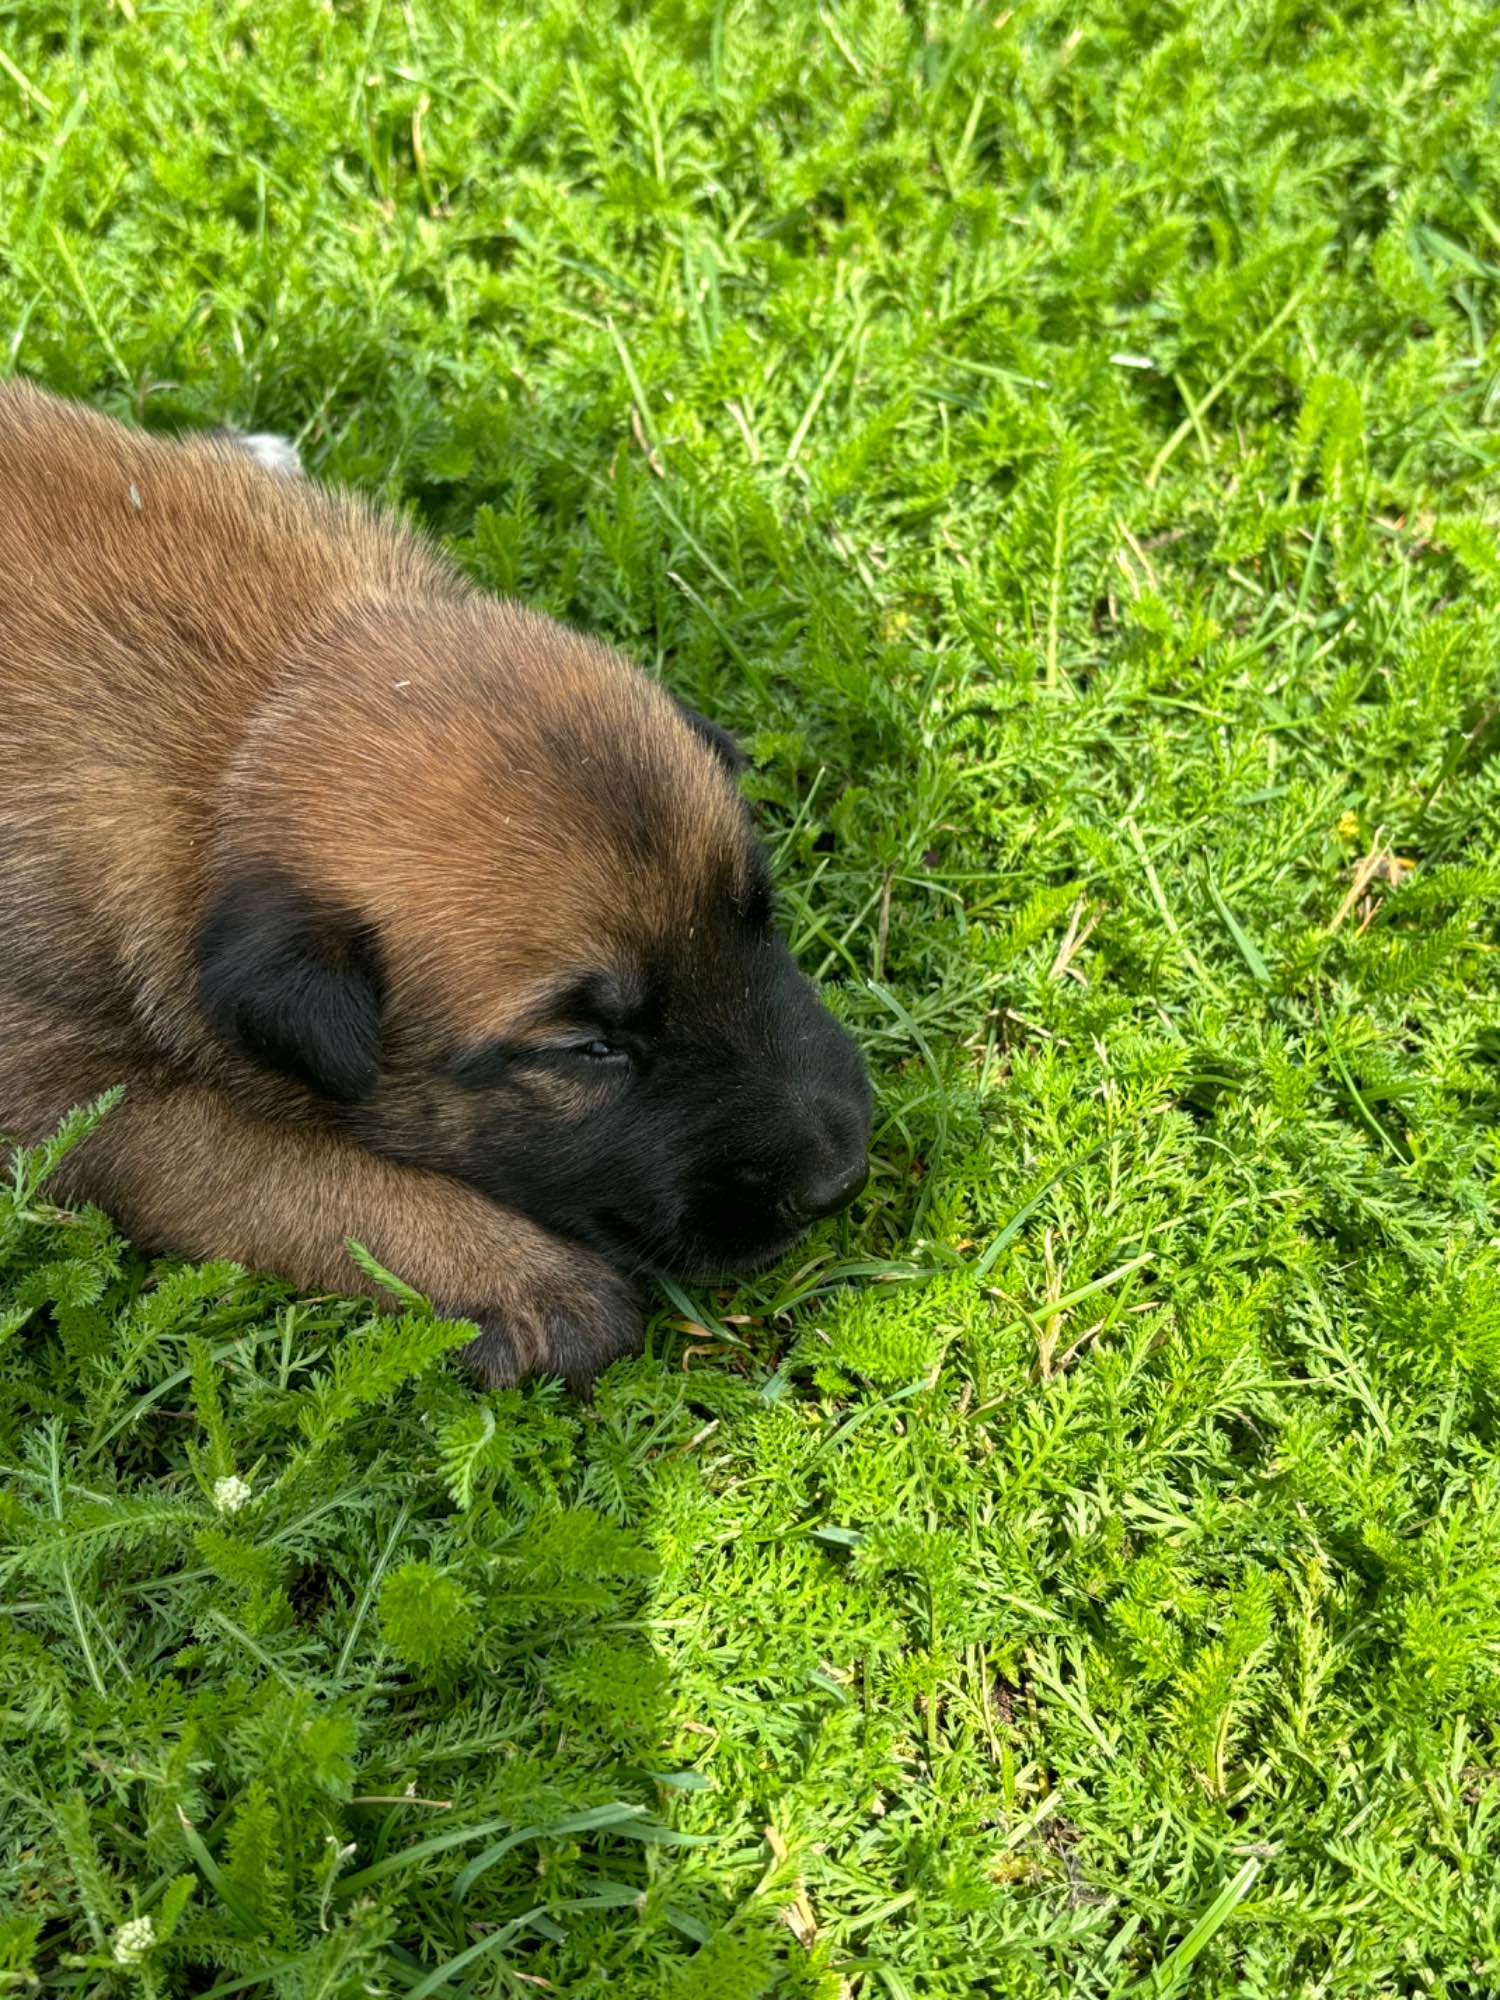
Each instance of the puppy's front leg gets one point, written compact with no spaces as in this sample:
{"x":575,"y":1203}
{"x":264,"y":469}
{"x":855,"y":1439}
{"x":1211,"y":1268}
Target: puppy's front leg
{"x":182,"y":1170}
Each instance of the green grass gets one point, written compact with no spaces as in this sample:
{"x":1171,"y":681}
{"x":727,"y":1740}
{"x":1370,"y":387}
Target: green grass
{"x":1061,"y":441}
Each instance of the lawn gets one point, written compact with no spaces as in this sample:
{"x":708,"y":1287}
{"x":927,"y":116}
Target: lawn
{"x":1058,"y":440}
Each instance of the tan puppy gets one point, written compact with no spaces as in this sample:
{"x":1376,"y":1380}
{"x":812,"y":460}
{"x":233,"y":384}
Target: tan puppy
{"x":401,"y":913}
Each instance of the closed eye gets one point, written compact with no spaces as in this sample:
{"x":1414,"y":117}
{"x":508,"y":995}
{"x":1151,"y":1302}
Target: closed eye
{"x":600,"y":1051}
{"x":499,"y":1061}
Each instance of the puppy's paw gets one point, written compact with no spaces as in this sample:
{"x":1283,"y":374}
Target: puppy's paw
{"x":581,"y":1316}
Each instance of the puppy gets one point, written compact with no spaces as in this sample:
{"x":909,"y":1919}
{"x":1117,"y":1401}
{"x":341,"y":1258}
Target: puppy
{"x":403,"y":914}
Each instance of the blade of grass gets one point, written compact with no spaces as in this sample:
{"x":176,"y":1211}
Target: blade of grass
{"x":1244,"y":943}
{"x":1205,"y":404}
{"x":1164,"y":909}
{"x":1167,"y":1978}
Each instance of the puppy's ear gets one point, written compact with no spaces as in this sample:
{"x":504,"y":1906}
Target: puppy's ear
{"x":294,"y":985}
{"x":717,"y":738}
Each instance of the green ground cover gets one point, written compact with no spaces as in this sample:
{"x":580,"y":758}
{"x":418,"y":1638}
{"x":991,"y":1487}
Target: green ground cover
{"x":1059,"y":441}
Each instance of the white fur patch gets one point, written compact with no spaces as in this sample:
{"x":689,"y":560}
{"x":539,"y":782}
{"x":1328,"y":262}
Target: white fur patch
{"x":272,"y":453}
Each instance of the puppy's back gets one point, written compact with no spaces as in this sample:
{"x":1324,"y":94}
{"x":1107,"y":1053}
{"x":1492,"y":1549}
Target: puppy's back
{"x":151,"y":577}
{"x":151,"y":595}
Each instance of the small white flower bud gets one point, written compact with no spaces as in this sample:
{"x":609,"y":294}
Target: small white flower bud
{"x":231,"y":1494}
{"x":133,"y":1940}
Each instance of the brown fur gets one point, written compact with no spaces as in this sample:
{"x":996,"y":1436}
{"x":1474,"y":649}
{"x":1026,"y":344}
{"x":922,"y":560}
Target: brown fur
{"x":203,"y":669}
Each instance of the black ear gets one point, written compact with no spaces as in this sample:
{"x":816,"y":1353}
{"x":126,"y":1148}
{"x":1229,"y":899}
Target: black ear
{"x":718,"y":739}
{"x":296,"y":986}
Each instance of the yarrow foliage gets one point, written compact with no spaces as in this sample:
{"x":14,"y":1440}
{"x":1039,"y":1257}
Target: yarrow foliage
{"x":1060,"y":443}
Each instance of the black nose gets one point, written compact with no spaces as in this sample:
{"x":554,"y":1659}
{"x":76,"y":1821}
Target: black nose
{"x":827,"y":1193}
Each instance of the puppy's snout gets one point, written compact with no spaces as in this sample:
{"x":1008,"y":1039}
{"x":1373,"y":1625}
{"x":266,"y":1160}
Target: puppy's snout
{"x":828,"y":1193}
{"x":836,"y":1165}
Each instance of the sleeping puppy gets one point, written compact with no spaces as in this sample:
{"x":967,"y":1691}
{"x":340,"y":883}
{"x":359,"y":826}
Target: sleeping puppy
{"x":403,"y":914}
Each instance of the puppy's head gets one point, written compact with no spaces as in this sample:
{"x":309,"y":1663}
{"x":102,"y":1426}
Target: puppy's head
{"x":494,"y":898}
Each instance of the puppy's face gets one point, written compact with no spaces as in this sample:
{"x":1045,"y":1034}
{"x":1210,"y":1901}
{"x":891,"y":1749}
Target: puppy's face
{"x":495,"y":899}
{"x":681,"y":1099}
